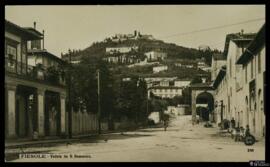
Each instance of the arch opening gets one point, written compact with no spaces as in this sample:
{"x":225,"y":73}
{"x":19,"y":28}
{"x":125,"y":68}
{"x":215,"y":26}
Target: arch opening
{"x":205,"y":106}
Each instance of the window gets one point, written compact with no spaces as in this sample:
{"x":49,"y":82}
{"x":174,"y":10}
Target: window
{"x":11,"y":52}
{"x":259,"y":62}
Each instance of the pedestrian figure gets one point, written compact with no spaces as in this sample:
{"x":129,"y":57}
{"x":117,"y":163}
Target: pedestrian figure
{"x":165,"y":124}
{"x":166,"y":121}
{"x":237,"y":135}
{"x":247,"y":132}
{"x":233,"y":123}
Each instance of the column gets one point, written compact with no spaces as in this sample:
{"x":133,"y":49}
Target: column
{"x":63,"y":112}
{"x":193,"y":105}
{"x":11,"y":110}
{"x":41,"y":106}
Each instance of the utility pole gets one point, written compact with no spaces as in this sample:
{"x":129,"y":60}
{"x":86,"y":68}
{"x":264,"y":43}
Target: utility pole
{"x":98,"y":91}
{"x":69,"y":100}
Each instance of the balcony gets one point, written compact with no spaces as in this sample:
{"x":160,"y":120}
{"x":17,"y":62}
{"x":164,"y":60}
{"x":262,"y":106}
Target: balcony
{"x":51,"y":76}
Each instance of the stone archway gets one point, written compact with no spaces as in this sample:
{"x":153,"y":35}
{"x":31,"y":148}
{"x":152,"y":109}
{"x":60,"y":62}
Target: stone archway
{"x":198,"y":91}
{"x":205,"y":98}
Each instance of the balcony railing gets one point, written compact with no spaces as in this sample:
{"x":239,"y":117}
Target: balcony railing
{"x":35,"y":73}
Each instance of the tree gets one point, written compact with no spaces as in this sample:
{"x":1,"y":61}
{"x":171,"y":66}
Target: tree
{"x":84,"y":86}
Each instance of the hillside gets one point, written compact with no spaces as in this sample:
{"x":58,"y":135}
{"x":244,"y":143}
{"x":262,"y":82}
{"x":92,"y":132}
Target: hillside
{"x":174,"y":51}
{"x":174,"y":54}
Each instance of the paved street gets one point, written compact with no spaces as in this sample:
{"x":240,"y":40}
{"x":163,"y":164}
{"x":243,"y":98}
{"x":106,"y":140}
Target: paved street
{"x":181,"y":143}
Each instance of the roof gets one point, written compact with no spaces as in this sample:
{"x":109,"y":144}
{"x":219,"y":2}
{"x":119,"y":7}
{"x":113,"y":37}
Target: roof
{"x":201,"y":86}
{"x":254,"y":47}
{"x":44,"y":52}
{"x":166,"y":87}
{"x":34,"y":31}
{"x":220,"y":76}
{"x":183,"y":79}
{"x":24,"y":32}
{"x":236,"y":37}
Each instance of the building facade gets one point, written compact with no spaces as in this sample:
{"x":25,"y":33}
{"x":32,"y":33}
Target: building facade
{"x":240,"y":92}
{"x":112,"y":50}
{"x":218,"y":60}
{"x":166,"y":91}
{"x":29,"y":96}
{"x":182,"y":82}
{"x":155,"y":55}
{"x":160,"y":68}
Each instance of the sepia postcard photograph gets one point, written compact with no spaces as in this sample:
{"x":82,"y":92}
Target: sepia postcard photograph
{"x":135,"y":83}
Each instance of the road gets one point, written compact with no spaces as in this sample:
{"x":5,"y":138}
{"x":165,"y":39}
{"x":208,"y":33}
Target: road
{"x":182,"y":142}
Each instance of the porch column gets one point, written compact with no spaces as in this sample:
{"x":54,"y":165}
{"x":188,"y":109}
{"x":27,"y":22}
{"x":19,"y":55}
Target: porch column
{"x":193,"y":105}
{"x":40,"y":103}
{"x":63,"y":112}
{"x":10,"y":110}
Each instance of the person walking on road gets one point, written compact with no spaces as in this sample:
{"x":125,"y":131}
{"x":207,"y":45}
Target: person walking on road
{"x":166,"y":122}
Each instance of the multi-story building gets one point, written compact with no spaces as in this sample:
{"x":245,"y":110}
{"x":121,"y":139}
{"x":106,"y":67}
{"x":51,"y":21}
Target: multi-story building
{"x":251,"y":88}
{"x":155,"y":55}
{"x":165,"y":91}
{"x":160,"y":68}
{"x":240,"y":90}
{"x":182,"y":82}
{"x":34,"y":105}
{"x":124,"y":49}
{"x":157,"y":81}
{"x":218,"y":60}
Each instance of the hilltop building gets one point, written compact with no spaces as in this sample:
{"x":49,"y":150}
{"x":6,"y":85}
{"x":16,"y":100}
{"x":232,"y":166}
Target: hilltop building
{"x":155,"y":55}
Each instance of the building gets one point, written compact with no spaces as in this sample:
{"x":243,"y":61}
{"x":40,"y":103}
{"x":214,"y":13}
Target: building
{"x":240,"y":90}
{"x":252,"y":87}
{"x":165,"y":91}
{"x":182,"y":82}
{"x":44,"y":58}
{"x":124,"y":49}
{"x":160,"y":68}
{"x":178,"y":110}
{"x":122,"y":59}
{"x":220,"y":95}
{"x":201,"y":64}
{"x":156,"y":81}
{"x":218,"y":60}
{"x":32,"y":100}
{"x":155,"y":55}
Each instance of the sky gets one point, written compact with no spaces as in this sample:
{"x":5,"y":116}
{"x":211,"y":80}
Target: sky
{"x":77,"y":27}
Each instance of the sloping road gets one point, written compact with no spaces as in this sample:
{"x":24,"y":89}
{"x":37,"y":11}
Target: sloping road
{"x":182,"y":142}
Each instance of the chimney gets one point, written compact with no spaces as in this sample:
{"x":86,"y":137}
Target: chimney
{"x":35,"y":25}
{"x":43,"y":32}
